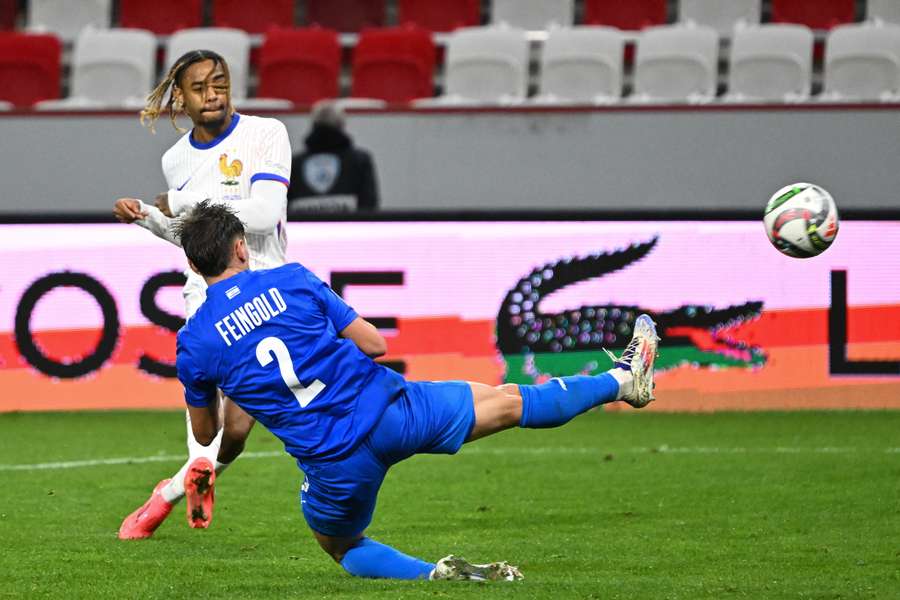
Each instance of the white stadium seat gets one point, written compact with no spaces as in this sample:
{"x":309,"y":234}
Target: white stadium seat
{"x":533,"y":14}
{"x":485,"y":65}
{"x":111,"y":68}
{"x":676,"y":63}
{"x":721,"y":15}
{"x":582,"y":64}
{"x":884,"y":11}
{"x":232,"y":44}
{"x":67,"y":18}
{"x":5,"y":105}
{"x":771,"y":63}
{"x":862,"y":62}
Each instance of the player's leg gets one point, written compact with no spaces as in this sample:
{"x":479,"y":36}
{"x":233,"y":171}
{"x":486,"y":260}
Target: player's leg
{"x":557,"y":401}
{"x":205,"y":465}
{"x":338,"y":501}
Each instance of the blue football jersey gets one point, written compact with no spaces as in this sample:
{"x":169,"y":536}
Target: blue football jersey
{"x":270,"y":340}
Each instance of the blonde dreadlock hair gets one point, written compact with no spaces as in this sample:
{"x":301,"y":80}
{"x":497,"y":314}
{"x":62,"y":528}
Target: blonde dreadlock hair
{"x":154,"y":107}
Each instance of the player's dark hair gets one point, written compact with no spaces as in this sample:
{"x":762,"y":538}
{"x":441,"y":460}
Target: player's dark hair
{"x":208,"y":233}
{"x":153,"y":108}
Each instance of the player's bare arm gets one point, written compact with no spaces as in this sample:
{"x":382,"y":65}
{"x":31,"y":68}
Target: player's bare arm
{"x":366,"y":337}
{"x":205,"y":422}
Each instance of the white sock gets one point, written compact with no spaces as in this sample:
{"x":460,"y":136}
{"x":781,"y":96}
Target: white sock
{"x":625,"y":379}
{"x":174,"y":490}
{"x":221,"y":466}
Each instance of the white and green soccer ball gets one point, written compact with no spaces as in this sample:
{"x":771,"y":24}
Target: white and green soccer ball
{"x":801,"y":220}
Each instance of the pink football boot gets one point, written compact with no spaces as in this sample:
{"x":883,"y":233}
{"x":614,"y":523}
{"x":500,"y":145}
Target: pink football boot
{"x":143,"y":522}
{"x":201,"y":495}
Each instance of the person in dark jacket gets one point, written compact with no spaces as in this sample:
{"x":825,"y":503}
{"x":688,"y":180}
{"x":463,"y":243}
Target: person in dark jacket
{"x":331,"y":165}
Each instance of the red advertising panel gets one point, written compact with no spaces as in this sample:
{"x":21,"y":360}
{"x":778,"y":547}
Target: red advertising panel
{"x":88,"y":312}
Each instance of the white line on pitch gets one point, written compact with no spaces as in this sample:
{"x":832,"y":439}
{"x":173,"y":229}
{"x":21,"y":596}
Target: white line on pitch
{"x":135,"y":460}
{"x":550,"y":450}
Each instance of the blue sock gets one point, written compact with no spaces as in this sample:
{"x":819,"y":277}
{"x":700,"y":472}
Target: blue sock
{"x":368,"y":558}
{"x":559,"y":400}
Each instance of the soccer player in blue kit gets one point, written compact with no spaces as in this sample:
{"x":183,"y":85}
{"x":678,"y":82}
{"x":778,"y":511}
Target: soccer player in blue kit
{"x":283,"y":346}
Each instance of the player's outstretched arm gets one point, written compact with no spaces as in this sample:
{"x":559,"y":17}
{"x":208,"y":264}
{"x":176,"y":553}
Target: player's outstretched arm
{"x":366,"y":337}
{"x":132,"y":210}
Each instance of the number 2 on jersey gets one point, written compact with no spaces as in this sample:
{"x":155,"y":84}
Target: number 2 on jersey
{"x":274,"y":346}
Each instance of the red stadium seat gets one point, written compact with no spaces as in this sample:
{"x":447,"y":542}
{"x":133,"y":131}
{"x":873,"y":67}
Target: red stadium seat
{"x":635,"y":14}
{"x":394,"y":65}
{"x":7,"y":14}
{"x":263,"y":14}
{"x":345,"y":15}
{"x":300,"y":65}
{"x":161,"y":16}
{"x":440,"y":15}
{"x":815,"y":14}
{"x":29,"y":68}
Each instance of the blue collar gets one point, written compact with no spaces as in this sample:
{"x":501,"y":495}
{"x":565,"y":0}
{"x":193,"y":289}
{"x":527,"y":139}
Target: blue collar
{"x":215,"y":141}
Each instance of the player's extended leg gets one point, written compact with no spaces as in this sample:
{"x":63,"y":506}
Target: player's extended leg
{"x":557,"y":401}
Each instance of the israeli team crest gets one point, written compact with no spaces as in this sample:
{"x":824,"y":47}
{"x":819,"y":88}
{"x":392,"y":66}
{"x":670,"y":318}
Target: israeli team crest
{"x":321,"y":171}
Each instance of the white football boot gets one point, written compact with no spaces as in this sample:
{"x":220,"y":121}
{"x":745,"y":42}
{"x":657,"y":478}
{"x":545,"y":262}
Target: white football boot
{"x":454,"y":568}
{"x":638,"y":359}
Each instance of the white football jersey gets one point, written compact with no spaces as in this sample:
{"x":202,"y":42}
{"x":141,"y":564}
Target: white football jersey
{"x":251,"y":149}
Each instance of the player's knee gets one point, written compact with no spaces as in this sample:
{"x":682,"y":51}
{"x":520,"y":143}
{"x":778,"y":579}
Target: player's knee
{"x":509,"y":404}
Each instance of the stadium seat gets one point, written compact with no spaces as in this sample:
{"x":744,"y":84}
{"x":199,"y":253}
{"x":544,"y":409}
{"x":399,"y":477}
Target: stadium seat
{"x":582,"y":64}
{"x":815,"y":14}
{"x":263,"y":14}
{"x":533,"y":14}
{"x":395,"y":65}
{"x":632,"y":15}
{"x":8,"y":14}
{"x":346,"y":15}
{"x":721,"y":16}
{"x":162,"y":17}
{"x":771,"y":63}
{"x":66,"y":18}
{"x":885,"y":11}
{"x":485,"y":65}
{"x":676,"y":63}
{"x":300,"y":65}
{"x":232,"y":44}
{"x":110,"y":68}
{"x":29,"y":68}
{"x":862,"y":63}
{"x":440,"y":15}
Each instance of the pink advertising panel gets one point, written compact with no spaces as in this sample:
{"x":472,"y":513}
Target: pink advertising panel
{"x":87,"y":312}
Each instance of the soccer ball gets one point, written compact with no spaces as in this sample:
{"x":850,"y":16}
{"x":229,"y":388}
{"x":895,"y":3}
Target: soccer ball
{"x":801,"y":220}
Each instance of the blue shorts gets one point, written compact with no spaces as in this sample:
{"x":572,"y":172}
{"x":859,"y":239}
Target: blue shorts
{"x":338,"y":498}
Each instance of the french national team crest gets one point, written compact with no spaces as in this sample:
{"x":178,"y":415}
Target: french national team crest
{"x":231,"y":170}
{"x":321,"y":171}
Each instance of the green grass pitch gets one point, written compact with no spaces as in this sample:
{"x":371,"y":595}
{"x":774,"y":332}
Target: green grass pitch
{"x":613,"y":505}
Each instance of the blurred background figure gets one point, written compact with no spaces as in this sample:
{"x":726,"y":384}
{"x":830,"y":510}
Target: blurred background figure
{"x":332,"y":174}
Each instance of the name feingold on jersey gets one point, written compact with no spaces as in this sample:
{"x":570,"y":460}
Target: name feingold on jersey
{"x":251,"y":315}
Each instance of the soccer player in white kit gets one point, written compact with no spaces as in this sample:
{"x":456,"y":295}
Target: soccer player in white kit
{"x":243,"y":162}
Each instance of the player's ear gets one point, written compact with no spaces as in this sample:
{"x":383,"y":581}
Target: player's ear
{"x":240,"y":250}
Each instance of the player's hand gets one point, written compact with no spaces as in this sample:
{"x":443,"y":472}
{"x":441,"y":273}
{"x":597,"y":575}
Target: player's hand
{"x":128,"y":210}
{"x":162,"y":203}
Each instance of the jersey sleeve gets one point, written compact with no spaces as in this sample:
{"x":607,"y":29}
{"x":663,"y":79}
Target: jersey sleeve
{"x":274,"y":162}
{"x":198,"y":389}
{"x":338,"y":312}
